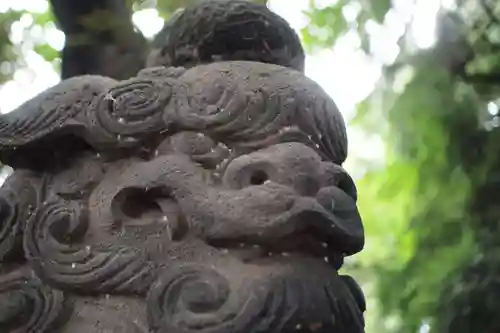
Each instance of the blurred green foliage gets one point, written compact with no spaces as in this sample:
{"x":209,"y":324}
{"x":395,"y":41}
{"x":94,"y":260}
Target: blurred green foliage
{"x":422,"y":230}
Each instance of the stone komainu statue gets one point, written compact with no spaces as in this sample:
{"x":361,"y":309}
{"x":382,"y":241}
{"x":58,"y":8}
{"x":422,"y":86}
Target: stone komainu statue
{"x":207,"y":198}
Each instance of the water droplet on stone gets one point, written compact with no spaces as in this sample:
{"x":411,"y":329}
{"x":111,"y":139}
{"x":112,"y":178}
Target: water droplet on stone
{"x":73,"y":265}
{"x":121,"y":120}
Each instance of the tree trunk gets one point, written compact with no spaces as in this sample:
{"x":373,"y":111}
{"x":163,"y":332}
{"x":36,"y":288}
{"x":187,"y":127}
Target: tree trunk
{"x":100,"y":38}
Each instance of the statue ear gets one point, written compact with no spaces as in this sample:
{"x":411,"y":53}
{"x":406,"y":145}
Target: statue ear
{"x":30,"y":135}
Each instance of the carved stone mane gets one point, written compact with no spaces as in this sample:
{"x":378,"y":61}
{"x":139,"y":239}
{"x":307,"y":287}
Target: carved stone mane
{"x":208,"y":199}
{"x":222,"y":30}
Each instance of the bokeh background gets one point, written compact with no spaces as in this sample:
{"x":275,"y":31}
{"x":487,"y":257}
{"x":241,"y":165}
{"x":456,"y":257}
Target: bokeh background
{"x":418,"y":82}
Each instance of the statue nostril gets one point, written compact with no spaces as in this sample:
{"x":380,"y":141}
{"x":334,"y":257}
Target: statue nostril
{"x":347,"y":185}
{"x":258,"y":177}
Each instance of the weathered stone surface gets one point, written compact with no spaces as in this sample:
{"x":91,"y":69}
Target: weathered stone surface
{"x":209,"y":199}
{"x":222,"y":30}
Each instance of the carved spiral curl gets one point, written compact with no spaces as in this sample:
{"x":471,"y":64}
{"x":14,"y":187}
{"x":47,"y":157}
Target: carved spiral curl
{"x":26,"y":305}
{"x":52,"y":244}
{"x":195,"y":298}
{"x":9,"y":224}
{"x":132,"y":108}
{"x":221,"y":115}
{"x":19,"y":196}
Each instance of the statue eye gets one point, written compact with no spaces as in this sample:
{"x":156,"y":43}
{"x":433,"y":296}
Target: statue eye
{"x":153,"y":209}
{"x":200,"y":147}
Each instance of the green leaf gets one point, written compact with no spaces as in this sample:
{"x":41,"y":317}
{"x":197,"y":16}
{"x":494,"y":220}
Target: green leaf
{"x":379,"y":8}
{"x":43,"y":18}
{"x":47,"y":52}
{"x":326,"y":25}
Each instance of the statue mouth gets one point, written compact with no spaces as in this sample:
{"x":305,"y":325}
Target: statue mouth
{"x":306,"y":231}
{"x":291,"y":247}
